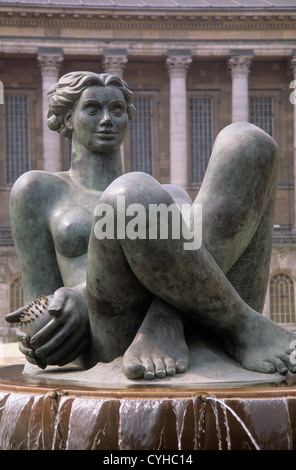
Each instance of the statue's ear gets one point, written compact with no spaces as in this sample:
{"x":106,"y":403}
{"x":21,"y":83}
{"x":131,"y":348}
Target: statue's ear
{"x":68,"y":119}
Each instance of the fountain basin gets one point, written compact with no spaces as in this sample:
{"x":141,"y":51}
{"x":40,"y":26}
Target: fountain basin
{"x":40,"y":414}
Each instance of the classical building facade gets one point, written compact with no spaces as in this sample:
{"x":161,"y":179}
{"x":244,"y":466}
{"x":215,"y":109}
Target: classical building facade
{"x":195,"y":66}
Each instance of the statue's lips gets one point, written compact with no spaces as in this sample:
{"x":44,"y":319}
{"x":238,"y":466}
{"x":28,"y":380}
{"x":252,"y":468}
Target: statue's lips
{"x":106,"y":133}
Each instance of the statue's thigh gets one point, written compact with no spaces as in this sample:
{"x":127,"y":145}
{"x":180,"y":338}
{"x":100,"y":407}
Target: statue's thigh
{"x":237,"y":190}
{"x":111,"y":284}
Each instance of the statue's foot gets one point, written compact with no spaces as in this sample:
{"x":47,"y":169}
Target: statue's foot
{"x":159,"y":348}
{"x":262,"y":345}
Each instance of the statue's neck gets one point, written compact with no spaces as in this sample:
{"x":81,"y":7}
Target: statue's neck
{"x":93,"y":170}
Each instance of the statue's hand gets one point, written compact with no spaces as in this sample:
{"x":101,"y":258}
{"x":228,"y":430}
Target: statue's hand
{"x":23,"y":337}
{"x":65,"y":337}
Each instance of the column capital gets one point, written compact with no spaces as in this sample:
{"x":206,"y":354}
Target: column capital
{"x":239,"y":63}
{"x":178,"y":62}
{"x":50,"y":59}
{"x":114,"y":61}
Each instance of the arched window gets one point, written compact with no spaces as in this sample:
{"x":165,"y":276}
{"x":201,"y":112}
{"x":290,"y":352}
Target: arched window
{"x":282,"y":299}
{"x":16,"y":294}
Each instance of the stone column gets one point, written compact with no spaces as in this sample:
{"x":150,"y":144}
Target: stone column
{"x":239,"y":64}
{"x":114,"y":62}
{"x":293,"y":101}
{"x":50,"y":60}
{"x":178,"y":63}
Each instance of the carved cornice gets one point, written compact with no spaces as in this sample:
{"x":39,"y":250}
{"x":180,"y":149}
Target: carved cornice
{"x":133,"y":20}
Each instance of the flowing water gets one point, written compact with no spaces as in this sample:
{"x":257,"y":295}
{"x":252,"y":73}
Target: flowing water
{"x":81,"y":437}
{"x":239,"y":420}
{"x":14,"y":406}
{"x":199,"y":423}
{"x":180,"y":407}
{"x":139,"y":424}
{"x":62,"y":421}
{"x":278,"y":432}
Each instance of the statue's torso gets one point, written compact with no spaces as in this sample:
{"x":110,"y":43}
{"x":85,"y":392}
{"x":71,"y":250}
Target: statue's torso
{"x":71,"y":219}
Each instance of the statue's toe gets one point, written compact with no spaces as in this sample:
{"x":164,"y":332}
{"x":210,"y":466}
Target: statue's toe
{"x":133,"y":369}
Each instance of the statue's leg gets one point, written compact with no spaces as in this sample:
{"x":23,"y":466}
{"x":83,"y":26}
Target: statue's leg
{"x":118,"y":301}
{"x":190,"y":281}
{"x":238,"y":197}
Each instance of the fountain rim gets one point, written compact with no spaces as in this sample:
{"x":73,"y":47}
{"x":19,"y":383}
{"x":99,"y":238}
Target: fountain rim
{"x":30,"y":385}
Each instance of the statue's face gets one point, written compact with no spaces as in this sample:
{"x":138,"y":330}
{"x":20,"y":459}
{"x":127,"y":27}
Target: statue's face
{"x":99,"y":119}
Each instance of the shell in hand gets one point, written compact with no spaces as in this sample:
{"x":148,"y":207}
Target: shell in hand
{"x":35,"y":316}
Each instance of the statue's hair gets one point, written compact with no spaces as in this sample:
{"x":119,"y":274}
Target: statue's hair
{"x":63,"y":95}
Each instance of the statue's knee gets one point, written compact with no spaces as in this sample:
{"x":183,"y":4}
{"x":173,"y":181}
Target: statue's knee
{"x":134,"y":187}
{"x":249,"y":144}
{"x":262,"y":143}
{"x":179,"y":195}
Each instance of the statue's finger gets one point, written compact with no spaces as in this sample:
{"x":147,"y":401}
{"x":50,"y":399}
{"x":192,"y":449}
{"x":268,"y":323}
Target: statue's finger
{"x":28,"y":352}
{"x":63,"y":337}
{"x":23,"y":337}
{"x":35,"y":361}
{"x":14,"y":317}
{"x":57,"y":302}
{"x":67,"y":352}
{"x":43,"y":335}
{"x":74,"y":354}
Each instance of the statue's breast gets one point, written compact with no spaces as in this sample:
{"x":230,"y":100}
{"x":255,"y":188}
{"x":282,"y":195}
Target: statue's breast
{"x":71,"y":230}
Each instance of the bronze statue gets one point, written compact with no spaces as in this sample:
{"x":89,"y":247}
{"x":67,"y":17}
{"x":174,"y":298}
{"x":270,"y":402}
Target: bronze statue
{"x":119,"y":296}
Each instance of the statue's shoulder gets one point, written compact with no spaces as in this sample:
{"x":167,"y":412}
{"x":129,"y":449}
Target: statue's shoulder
{"x":36,"y":185}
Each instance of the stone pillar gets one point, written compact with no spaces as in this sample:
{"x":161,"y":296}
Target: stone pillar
{"x":114,"y":62}
{"x":178,"y":62}
{"x":50,"y":60}
{"x":239,"y":64}
{"x":292,"y":100}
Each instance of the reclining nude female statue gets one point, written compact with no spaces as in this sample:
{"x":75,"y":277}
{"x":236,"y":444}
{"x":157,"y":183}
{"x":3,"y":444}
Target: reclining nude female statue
{"x":119,"y":296}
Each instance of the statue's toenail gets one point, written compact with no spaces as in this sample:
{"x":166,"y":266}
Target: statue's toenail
{"x":149,"y":375}
{"x":160,"y":373}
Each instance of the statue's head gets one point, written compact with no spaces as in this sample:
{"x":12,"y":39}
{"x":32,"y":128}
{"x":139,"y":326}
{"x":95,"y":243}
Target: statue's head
{"x":64,"y":94}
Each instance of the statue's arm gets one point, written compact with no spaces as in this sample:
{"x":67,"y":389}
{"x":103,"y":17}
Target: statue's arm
{"x":31,"y":201}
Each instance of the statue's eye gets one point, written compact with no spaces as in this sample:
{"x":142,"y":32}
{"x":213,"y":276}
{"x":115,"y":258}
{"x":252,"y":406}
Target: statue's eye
{"x":91,"y":110}
{"x":117,"y":110}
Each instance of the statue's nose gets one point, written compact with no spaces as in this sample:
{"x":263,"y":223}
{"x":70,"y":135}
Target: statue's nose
{"x":106,"y":118}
